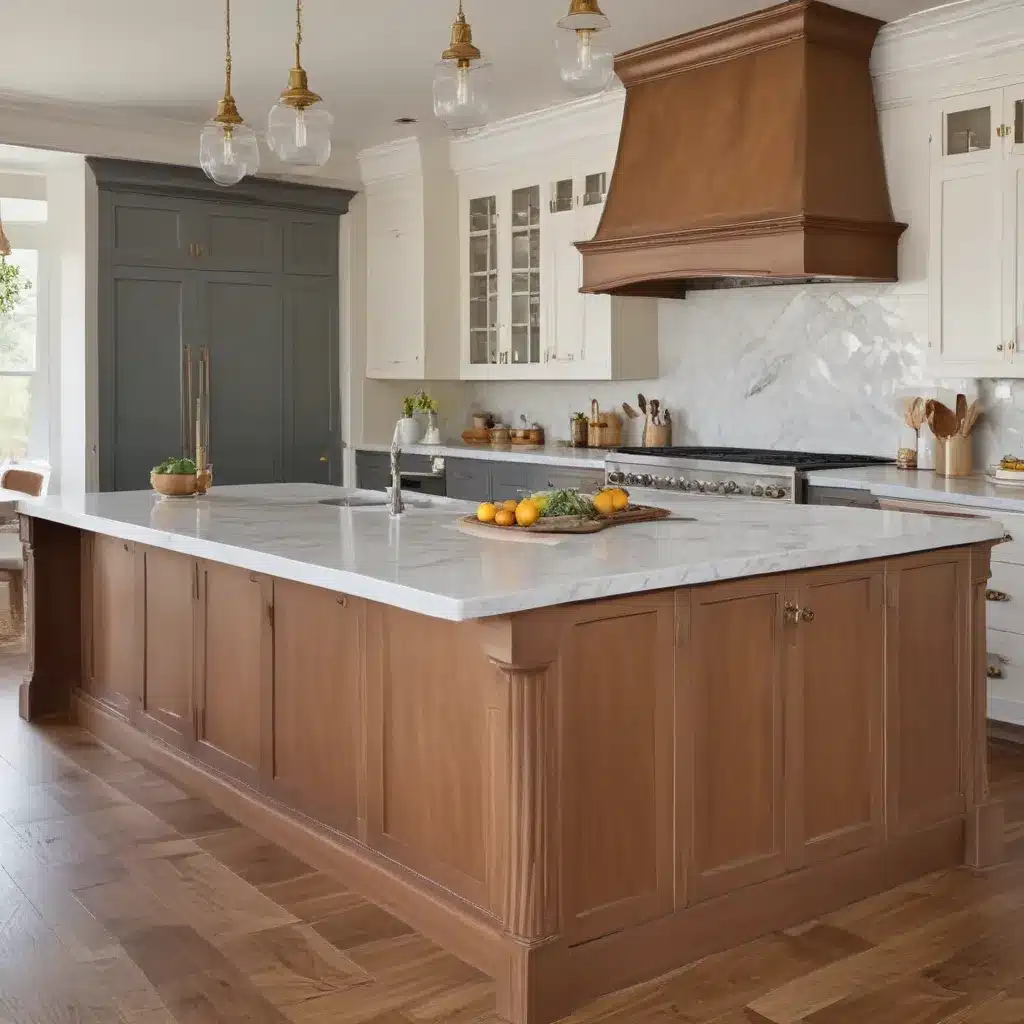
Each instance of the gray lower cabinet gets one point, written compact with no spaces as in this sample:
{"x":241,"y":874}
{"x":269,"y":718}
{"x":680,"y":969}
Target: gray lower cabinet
{"x":848,"y":496}
{"x":468,"y":479}
{"x":251,"y":276}
{"x":373,"y":473}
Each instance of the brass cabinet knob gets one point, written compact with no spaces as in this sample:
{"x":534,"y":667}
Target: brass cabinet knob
{"x":323,"y":458}
{"x":807,"y":615}
{"x":996,"y":595}
{"x":1007,"y":536}
{"x":995,"y":672}
{"x":999,"y":347}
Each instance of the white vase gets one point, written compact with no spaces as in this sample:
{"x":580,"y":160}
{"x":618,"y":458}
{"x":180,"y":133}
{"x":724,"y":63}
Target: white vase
{"x":926,"y":450}
{"x":409,"y":431}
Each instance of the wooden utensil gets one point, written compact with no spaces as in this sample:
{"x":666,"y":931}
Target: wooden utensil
{"x":642,"y":402}
{"x":941,"y":418}
{"x":914,"y":413}
{"x":973,"y":412}
{"x":961,"y":412}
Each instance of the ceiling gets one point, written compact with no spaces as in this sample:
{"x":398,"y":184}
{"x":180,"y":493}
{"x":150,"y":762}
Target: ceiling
{"x":372,"y":60}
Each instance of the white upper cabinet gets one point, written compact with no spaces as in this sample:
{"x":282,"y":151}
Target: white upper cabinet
{"x":976,"y":262}
{"x":528,"y":191}
{"x":412,"y":269}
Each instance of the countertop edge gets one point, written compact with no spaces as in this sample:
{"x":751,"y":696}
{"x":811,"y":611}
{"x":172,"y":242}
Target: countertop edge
{"x":594,"y":459}
{"x":459,"y":610}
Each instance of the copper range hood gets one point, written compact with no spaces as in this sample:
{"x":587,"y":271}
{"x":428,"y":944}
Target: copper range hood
{"x":749,"y":154}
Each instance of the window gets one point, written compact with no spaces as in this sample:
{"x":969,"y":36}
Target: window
{"x":23,"y":382}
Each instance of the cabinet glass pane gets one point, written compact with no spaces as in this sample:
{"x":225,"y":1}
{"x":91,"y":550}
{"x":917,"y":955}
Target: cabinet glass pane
{"x":596,"y":189}
{"x":483,"y":280}
{"x":526,"y":275}
{"x":562,"y":196}
{"x":1018,"y":122}
{"x":968,"y":131}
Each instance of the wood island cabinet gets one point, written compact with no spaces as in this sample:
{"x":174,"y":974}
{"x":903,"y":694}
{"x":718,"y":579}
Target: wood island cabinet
{"x":573,"y":798}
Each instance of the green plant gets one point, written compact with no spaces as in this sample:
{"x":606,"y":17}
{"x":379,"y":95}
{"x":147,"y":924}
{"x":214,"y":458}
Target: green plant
{"x":579,"y":416}
{"x":12,"y":286}
{"x":569,"y":503}
{"x":170,"y":467}
{"x":420,"y":402}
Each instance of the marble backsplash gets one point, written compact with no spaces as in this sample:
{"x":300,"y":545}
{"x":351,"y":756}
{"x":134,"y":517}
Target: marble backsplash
{"x":818,"y":367}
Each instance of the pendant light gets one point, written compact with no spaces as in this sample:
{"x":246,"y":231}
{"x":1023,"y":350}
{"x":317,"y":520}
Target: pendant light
{"x":584,"y":64}
{"x":460,"y":86}
{"x":228,"y":149}
{"x":299,"y":126}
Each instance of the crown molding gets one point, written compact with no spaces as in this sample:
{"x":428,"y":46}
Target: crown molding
{"x":525,"y":136}
{"x":967,"y":30}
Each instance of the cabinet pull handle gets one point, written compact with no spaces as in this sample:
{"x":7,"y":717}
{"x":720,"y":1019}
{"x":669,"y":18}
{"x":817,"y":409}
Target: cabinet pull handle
{"x":791,"y":612}
{"x":994,"y":672}
{"x":187,"y":448}
{"x":996,"y":595}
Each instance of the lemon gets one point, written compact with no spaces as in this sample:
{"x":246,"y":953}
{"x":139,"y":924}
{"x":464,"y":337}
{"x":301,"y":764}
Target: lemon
{"x":510,"y":505}
{"x":604,"y":502}
{"x":620,"y":499}
{"x":486,"y":512}
{"x":527,"y":513}
{"x":503,"y":517}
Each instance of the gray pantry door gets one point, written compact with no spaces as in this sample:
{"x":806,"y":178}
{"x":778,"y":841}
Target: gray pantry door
{"x":311,"y":357}
{"x":240,"y":316}
{"x":145,"y":318}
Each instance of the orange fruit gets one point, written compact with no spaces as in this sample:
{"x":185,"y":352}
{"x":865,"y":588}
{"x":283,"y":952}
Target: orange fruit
{"x":527,"y":513}
{"x":503,"y":517}
{"x":604,"y":502}
{"x":620,"y":499}
{"x":486,"y":512}
{"x":511,"y":505}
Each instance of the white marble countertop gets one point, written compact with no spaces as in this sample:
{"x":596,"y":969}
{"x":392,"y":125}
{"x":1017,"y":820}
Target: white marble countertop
{"x":546,"y":455}
{"x":922,"y":485}
{"x":424,"y":563}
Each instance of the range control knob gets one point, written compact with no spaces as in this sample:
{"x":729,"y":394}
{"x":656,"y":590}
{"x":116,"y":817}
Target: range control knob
{"x":682,"y":483}
{"x":771,"y":492}
{"x":732,"y":487}
{"x":722,"y":488}
{"x":780,"y":492}
{"x":616,"y":478}
{"x":631,"y":478}
{"x":691,"y":485}
{"x":757,"y":491}
{"x":646,"y":480}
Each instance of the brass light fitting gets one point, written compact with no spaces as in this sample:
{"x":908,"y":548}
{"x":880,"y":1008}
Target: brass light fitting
{"x":584,"y":14}
{"x":461,"y":51}
{"x":227,"y":111}
{"x":298,"y":94}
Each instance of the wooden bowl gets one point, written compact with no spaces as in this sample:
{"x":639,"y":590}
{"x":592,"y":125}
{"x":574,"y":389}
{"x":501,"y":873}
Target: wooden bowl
{"x":176,"y":485}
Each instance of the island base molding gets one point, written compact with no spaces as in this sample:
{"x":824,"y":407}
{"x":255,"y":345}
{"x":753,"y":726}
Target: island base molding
{"x":573,"y":799}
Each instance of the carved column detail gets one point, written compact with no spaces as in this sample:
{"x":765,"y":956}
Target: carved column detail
{"x":530,"y":909}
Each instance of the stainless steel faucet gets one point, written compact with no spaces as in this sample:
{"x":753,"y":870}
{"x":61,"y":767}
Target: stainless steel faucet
{"x":397,"y":505}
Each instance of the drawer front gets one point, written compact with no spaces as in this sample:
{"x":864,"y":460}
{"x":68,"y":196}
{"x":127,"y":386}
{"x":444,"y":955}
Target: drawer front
{"x":1005,"y":604}
{"x":1006,"y":677}
{"x":555,"y":478}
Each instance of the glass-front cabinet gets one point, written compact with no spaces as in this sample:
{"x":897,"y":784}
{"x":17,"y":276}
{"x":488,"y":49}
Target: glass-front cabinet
{"x":524,"y":317}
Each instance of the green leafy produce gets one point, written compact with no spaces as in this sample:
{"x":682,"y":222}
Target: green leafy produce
{"x":569,"y":503}
{"x":170,"y":467}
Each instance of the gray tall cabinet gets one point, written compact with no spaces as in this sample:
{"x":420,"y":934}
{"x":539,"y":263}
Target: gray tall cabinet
{"x":248,"y":275}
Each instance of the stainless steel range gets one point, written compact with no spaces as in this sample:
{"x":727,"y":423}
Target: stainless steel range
{"x":749,"y":473}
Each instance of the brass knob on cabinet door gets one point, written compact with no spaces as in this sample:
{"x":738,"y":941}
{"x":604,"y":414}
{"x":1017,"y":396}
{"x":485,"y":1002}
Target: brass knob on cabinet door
{"x":995,"y":672}
{"x":807,"y":615}
{"x":323,"y":458}
{"x":999,"y":348}
{"x":996,"y":595}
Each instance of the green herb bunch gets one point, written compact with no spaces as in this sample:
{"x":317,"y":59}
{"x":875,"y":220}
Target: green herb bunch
{"x":171,"y":467}
{"x":569,"y":503}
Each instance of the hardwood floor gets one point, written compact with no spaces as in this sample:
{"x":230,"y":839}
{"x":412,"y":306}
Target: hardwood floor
{"x":125,"y":899}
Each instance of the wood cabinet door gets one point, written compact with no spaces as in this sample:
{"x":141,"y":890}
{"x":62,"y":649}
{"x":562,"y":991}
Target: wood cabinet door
{"x":834,"y":706}
{"x":928,"y":698}
{"x":317,"y":730}
{"x":616,"y":679}
{"x":731,"y":736}
{"x":235,"y":644}
{"x":170,"y":590}
{"x":112,"y":662}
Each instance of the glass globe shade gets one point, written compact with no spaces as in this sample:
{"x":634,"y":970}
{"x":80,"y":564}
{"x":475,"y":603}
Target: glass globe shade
{"x":461,"y":95}
{"x":585,"y":65}
{"x":228,"y":153}
{"x":300,"y":136}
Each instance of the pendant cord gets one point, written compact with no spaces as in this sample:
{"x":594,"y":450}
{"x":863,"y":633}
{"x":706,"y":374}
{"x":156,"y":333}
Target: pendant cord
{"x":227,"y":54}
{"x":298,"y":33}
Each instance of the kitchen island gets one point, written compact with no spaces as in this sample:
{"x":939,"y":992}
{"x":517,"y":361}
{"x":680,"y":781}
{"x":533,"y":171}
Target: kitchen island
{"x":576,"y":765}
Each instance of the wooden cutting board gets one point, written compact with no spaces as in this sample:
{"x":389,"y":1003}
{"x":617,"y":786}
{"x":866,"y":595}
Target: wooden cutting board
{"x":572,"y":524}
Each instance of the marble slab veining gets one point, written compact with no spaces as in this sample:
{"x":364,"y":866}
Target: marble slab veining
{"x":920,"y":485}
{"x":423,"y":563}
{"x":547,"y":455}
